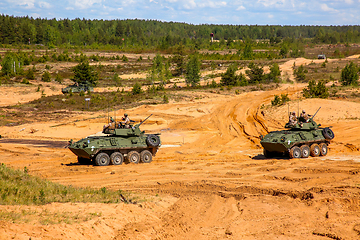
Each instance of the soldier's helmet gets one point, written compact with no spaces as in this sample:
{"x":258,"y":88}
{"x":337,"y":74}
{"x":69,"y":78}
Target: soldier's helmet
{"x":293,"y":113}
{"x":303,"y":111}
{"x":125,"y":114}
{"x":111,"y":119}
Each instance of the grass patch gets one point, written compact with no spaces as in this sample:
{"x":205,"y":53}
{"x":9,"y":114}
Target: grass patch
{"x":19,"y":188}
{"x":46,"y":217}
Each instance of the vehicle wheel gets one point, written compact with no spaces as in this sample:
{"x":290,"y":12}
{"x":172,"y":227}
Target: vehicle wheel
{"x":146,"y":156}
{"x":268,"y":154}
{"x":323,"y":149}
{"x":116,"y":158}
{"x":295,"y":152}
{"x":328,"y":133}
{"x":314,"y":150}
{"x":305,"y":151}
{"x":133,"y":157}
{"x":153,"y":140}
{"x":83,"y":160}
{"x":102,"y":159}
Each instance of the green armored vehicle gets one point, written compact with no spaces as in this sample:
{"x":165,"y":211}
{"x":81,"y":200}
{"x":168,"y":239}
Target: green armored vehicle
{"x":77,"y":87}
{"x":300,"y":140}
{"x":118,"y":142}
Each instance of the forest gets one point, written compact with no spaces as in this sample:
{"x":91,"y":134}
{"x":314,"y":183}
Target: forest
{"x":149,"y":35}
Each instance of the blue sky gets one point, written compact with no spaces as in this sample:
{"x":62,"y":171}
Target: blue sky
{"x":237,"y":12}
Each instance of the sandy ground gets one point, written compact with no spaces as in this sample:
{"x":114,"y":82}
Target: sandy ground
{"x":208,"y":181}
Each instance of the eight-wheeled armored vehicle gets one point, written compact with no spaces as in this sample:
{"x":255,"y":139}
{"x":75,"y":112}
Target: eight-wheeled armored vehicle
{"x":300,"y":140}
{"x":77,"y":87}
{"x":116,"y":143}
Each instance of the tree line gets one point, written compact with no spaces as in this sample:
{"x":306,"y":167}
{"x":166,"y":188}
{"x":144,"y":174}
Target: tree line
{"x":152,"y":34}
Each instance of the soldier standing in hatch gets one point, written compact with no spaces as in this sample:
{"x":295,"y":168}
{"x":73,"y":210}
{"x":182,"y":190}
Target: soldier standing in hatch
{"x":110,"y":125}
{"x":126,"y":120}
{"x":292,"y":119}
{"x":304,"y":117}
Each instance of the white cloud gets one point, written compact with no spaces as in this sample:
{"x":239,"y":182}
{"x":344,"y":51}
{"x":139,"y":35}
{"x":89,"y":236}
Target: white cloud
{"x":270,"y":16}
{"x":82,"y":4}
{"x":325,"y":8}
{"x":44,"y":5}
{"x":27,"y":4}
{"x":268,"y":3}
{"x":349,"y":1}
{"x":212,"y":4}
{"x":240,"y":8}
{"x":189,"y":4}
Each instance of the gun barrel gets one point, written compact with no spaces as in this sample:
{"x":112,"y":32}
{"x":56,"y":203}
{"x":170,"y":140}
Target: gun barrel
{"x":144,"y":120}
{"x":315,"y":113}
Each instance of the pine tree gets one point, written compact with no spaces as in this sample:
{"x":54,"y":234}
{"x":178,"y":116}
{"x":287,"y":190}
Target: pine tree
{"x":349,"y":75}
{"x":192,"y":76}
{"x":84,"y":73}
{"x":229,"y":78}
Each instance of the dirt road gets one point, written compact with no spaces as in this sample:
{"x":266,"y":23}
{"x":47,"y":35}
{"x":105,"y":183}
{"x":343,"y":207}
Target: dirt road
{"x":208,"y":181}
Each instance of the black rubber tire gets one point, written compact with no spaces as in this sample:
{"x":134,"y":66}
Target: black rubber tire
{"x":133,"y":157}
{"x":305,"y":151}
{"x":83,"y":161}
{"x":323,"y":149}
{"x":146,"y":156}
{"x":295,"y":152}
{"x":328,"y":133}
{"x":314,"y":150}
{"x":102,"y":159}
{"x":153,"y":140}
{"x":116,"y":158}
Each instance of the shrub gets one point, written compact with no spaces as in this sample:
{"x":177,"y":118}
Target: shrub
{"x":58,"y":78}
{"x":213,"y":84}
{"x":30,"y":74}
{"x":85,"y":73}
{"x":280,"y":100}
{"x":136,"y":89}
{"x":46,"y":77}
{"x":255,"y":73}
{"x":274,"y":74}
{"x":124,"y":58}
{"x":166,"y":99}
{"x":229,"y":78}
{"x":117,"y":79}
{"x":314,"y":90}
{"x":349,"y":75}
{"x":192,"y":76}
{"x":300,"y":73}
{"x":25,"y":81}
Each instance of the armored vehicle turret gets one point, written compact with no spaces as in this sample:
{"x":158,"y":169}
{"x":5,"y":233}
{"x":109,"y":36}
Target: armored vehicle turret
{"x":77,"y":87}
{"x":301,"y":139}
{"x":119,"y":142}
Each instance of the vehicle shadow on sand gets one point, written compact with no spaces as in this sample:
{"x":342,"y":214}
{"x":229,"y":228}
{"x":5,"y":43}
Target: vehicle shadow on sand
{"x":262,"y":157}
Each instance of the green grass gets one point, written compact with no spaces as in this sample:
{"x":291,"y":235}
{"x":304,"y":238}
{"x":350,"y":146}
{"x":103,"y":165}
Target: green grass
{"x":19,"y":188}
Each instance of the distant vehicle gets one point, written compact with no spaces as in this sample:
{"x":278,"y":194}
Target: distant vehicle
{"x":299,"y":141}
{"x":77,"y":87}
{"x":117,"y":143}
{"x":321,"y":56}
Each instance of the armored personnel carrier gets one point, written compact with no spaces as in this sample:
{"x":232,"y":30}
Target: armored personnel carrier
{"x":116,"y":145}
{"x":77,"y":87}
{"x":300,"y":140}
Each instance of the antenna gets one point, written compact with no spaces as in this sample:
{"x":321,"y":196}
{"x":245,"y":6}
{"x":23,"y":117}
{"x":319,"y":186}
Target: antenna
{"x":115,"y":117}
{"x":288,"y":109}
{"x":299,"y":106}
